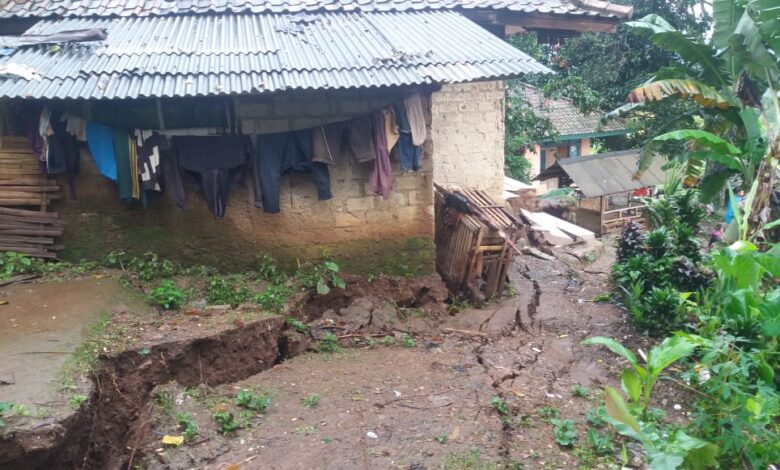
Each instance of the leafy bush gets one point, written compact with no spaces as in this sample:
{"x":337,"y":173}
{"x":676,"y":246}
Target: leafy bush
{"x":329,"y":343}
{"x":226,"y":421}
{"x":273,"y":298}
{"x":630,"y":241}
{"x":321,"y":276}
{"x":189,"y":427}
{"x":250,"y":401}
{"x":564,"y":432}
{"x":167,"y":295}
{"x":661,"y":311}
{"x":14,"y":264}
{"x":658,"y":243}
{"x":226,"y":290}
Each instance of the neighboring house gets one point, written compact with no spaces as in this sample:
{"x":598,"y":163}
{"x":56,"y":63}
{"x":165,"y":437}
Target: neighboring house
{"x":574,"y":133}
{"x":254,"y":68}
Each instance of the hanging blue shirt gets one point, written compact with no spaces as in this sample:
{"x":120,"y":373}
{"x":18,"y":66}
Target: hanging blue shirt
{"x":101,"y":145}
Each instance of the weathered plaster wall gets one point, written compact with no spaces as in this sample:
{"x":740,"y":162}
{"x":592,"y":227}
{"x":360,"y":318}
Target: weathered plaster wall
{"x":467,"y":126}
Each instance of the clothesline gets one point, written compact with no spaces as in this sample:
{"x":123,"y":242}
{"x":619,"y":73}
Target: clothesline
{"x":144,"y":162}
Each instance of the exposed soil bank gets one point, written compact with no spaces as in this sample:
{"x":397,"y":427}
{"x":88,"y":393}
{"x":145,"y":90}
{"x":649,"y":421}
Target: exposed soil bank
{"x":197,"y":347}
{"x":106,"y":432}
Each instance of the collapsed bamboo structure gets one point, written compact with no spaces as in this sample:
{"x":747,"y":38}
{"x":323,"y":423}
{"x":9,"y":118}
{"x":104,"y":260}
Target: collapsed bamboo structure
{"x":476,"y":240}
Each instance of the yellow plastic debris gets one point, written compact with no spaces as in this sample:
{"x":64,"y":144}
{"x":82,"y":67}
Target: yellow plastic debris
{"x":173,"y":440}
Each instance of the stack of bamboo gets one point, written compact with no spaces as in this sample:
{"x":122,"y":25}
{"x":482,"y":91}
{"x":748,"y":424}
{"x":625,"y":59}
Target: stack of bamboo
{"x":23,"y":188}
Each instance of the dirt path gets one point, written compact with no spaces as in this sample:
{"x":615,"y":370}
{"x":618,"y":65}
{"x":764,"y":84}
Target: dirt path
{"x":426,"y":405}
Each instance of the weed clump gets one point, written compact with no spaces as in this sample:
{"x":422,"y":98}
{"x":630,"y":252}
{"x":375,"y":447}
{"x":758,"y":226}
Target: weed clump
{"x":167,"y":295}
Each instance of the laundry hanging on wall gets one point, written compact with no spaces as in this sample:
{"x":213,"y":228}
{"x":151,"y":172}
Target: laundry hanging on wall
{"x":215,"y":162}
{"x":133,"y":158}
{"x":282,"y":153}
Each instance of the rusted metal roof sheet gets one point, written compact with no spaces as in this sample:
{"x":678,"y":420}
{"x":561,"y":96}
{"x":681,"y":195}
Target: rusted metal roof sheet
{"x":200,"y":55}
{"x":606,"y":173}
{"x":63,"y":8}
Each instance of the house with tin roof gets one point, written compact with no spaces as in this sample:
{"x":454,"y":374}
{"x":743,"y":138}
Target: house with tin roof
{"x":212,"y":131}
{"x":574,"y":130}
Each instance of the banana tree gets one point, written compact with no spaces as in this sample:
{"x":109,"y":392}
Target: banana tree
{"x":733,"y":80}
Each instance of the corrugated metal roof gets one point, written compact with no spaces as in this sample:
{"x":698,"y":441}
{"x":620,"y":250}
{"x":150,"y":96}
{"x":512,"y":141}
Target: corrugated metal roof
{"x":606,"y":173}
{"x":43,"y":8}
{"x":565,"y":117}
{"x":251,"y":53}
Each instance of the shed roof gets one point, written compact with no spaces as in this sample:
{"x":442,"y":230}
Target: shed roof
{"x":44,"y":8}
{"x":606,"y":173}
{"x":567,"y":120}
{"x":199,"y":55}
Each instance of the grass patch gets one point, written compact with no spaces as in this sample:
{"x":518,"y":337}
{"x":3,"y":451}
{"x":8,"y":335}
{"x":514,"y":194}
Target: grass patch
{"x":472,"y":460}
{"x":85,"y":358}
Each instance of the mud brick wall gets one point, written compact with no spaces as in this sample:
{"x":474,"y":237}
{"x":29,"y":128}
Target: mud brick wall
{"x":467,"y":127}
{"x":365,"y":233}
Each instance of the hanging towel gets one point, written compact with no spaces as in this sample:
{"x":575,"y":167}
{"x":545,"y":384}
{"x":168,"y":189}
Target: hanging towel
{"x":414,"y":112}
{"x":101,"y":145}
{"x":391,"y":128}
{"x":148,"y":144}
{"x":76,"y":126}
{"x":124,"y":173}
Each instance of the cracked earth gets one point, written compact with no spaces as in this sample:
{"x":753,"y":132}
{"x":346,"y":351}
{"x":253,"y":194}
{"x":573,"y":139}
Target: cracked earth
{"x":428,"y":405}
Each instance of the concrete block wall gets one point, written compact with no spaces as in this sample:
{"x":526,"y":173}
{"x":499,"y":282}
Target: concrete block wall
{"x":467,"y":127}
{"x":364,"y":232}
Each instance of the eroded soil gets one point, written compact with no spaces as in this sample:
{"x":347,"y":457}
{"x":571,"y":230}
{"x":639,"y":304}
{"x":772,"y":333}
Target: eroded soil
{"x":427,"y":404}
{"x":410,"y":385}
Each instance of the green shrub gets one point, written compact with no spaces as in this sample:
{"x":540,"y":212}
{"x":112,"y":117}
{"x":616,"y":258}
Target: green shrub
{"x":273,"y":298}
{"x":661,"y":311}
{"x":564,"y":432}
{"x":250,"y":401}
{"x":14,"y":264}
{"x":167,"y":295}
{"x":630,"y":241}
{"x":226,"y":290}
{"x":329,"y":343}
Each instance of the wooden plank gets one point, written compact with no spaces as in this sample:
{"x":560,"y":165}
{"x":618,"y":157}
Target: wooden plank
{"x":29,"y":213}
{"x":31,"y":231}
{"x":26,"y":180}
{"x":34,"y":189}
{"x":6,"y":239}
{"x":21,"y":202}
{"x":21,"y":171}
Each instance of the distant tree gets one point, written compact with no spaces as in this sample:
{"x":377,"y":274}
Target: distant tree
{"x":596,"y":71}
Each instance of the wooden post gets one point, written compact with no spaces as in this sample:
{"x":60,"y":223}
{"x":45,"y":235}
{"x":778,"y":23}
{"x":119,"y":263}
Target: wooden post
{"x":604,"y":205}
{"x":160,"y":120}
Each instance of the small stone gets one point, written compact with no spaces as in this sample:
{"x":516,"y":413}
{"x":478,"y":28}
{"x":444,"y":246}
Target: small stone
{"x":372,"y":435}
{"x":677,"y":407}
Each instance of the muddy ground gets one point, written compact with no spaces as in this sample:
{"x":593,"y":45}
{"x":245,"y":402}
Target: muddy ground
{"x":409,"y":384}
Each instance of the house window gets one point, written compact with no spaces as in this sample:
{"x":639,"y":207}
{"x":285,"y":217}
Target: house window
{"x":543,"y":160}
